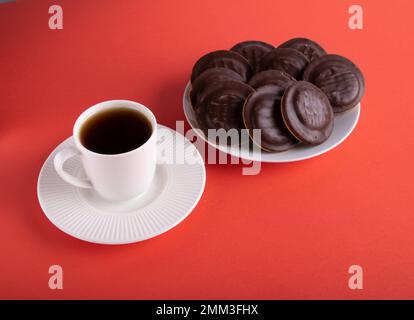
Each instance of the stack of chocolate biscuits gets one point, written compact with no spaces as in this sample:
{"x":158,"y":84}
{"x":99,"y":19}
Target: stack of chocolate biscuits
{"x":290,"y":93}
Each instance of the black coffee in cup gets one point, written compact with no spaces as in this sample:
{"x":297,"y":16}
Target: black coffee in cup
{"x":114,"y":131}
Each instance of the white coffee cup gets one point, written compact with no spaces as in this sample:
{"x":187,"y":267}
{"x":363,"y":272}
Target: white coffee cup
{"x":113,"y":176}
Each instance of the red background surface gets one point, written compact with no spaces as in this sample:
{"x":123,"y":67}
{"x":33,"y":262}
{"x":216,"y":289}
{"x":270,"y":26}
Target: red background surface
{"x":290,"y":232}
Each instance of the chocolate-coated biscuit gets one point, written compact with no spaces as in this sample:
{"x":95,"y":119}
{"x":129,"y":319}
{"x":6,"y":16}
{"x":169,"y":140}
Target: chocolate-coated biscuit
{"x":253,"y":51}
{"x":307,"y":113}
{"x":339,"y":78}
{"x":262,"y":111}
{"x":208,"y":78}
{"x":309,"y":48}
{"x":222,"y":107}
{"x":288,"y":60}
{"x":224,"y":59}
{"x":275,"y":77}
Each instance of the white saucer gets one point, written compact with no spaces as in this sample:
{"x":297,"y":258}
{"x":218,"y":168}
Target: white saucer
{"x":344,"y":123}
{"x":81,"y":213}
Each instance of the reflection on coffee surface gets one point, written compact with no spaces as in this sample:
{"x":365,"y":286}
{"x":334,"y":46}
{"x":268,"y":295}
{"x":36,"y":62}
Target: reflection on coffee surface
{"x":115,"y":131}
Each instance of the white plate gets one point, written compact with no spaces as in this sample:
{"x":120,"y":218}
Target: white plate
{"x":81,"y":213}
{"x":344,"y":123}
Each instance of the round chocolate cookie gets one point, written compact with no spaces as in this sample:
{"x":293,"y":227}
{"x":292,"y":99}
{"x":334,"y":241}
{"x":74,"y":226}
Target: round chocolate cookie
{"x":253,"y":51}
{"x":307,"y":113}
{"x":222,"y":107}
{"x":262,"y":111}
{"x":208,"y":78}
{"x":275,"y":77}
{"x":339,"y":78}
{"x":309,"y":48}
{"x":288,"y":60}
{"x":224,"y":59}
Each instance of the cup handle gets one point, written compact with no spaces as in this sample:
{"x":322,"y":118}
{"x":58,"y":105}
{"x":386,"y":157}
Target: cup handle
{"x":60,"y":159}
